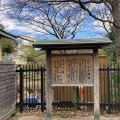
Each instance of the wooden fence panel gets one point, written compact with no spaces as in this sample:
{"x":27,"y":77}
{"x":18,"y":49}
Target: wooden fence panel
{"x":89,"y":91}
{"x":63,"y":93}
{"x":7,"y":89}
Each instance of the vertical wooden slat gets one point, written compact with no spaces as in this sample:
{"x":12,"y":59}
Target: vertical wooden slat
{"x":59,"y":95}
{"x":90,"y":95}
{"x":68,"y":95}
{"x":66,"y":92}
{"x":100,"y":73}
{"x":87,"y":94}
{"x":96,"y":86}
{"x":48,"y":86}
{"x":55,"y":95}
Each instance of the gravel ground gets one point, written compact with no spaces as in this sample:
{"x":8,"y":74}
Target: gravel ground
{"x":75,"y":118}
{"x":38,"y":115}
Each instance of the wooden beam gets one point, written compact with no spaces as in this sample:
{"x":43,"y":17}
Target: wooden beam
{"x":48,"y":86}
{"x":96,"y":86}
{"x":72,"y":84}
{"x":0,"y":48}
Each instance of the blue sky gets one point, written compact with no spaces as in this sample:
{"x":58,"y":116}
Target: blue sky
{"x":88,"y":32}
{"x":12,"y":26}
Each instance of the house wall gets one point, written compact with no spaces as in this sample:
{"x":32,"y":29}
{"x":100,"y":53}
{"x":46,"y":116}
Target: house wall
{"x":7,"y":89}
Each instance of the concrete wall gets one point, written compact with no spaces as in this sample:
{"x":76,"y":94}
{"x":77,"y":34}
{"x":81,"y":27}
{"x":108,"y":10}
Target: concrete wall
{"x":7,"y":89}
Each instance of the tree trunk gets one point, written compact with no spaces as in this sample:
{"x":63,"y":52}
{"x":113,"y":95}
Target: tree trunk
{"x":116,"y":16}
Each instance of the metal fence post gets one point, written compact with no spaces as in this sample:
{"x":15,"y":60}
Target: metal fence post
{"x":109,"y":93}
{"x":21,"y":90}
{"x":42,"y":95}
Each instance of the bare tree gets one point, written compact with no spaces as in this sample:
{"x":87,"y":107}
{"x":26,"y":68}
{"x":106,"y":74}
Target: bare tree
{"x":108,"y":13}
{"x":61,"y":20}
{"x":105,"y":11}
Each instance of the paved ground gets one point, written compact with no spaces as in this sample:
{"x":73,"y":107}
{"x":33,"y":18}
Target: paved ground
{"x":75,"y":118}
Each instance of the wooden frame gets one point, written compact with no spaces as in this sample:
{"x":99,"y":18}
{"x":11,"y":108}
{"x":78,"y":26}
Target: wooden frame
{"x":49,"y":84}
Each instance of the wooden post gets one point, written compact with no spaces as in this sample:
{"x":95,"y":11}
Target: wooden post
{"x":96,"y":86}
{"x":0,"y":48}
{"x":48,"y":86}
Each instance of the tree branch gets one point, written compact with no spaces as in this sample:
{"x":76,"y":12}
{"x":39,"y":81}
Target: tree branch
{"x":90,"y":13}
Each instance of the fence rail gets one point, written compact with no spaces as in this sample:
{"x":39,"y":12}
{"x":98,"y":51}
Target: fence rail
{"x":31,"y":90}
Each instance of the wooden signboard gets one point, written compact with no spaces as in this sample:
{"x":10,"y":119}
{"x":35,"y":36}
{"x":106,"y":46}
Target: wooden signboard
{"x":72,"y":70}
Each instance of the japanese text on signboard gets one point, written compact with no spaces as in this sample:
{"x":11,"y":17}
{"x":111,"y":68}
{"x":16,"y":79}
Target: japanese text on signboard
{"x":72,"y":69}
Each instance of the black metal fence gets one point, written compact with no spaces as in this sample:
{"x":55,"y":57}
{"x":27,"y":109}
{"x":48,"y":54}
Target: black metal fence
{"x":113,"y":74}
{"x":30,"y":82}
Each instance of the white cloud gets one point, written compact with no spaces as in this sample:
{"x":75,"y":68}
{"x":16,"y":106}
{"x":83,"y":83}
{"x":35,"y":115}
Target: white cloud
{"x":94,"y":6}
{"x":99,"y":27}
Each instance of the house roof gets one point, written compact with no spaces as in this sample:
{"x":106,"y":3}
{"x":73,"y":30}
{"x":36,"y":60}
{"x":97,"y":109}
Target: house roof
{"x":27,"y":38}
{"x":7,"y":35}
{"x":63,"y":44}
